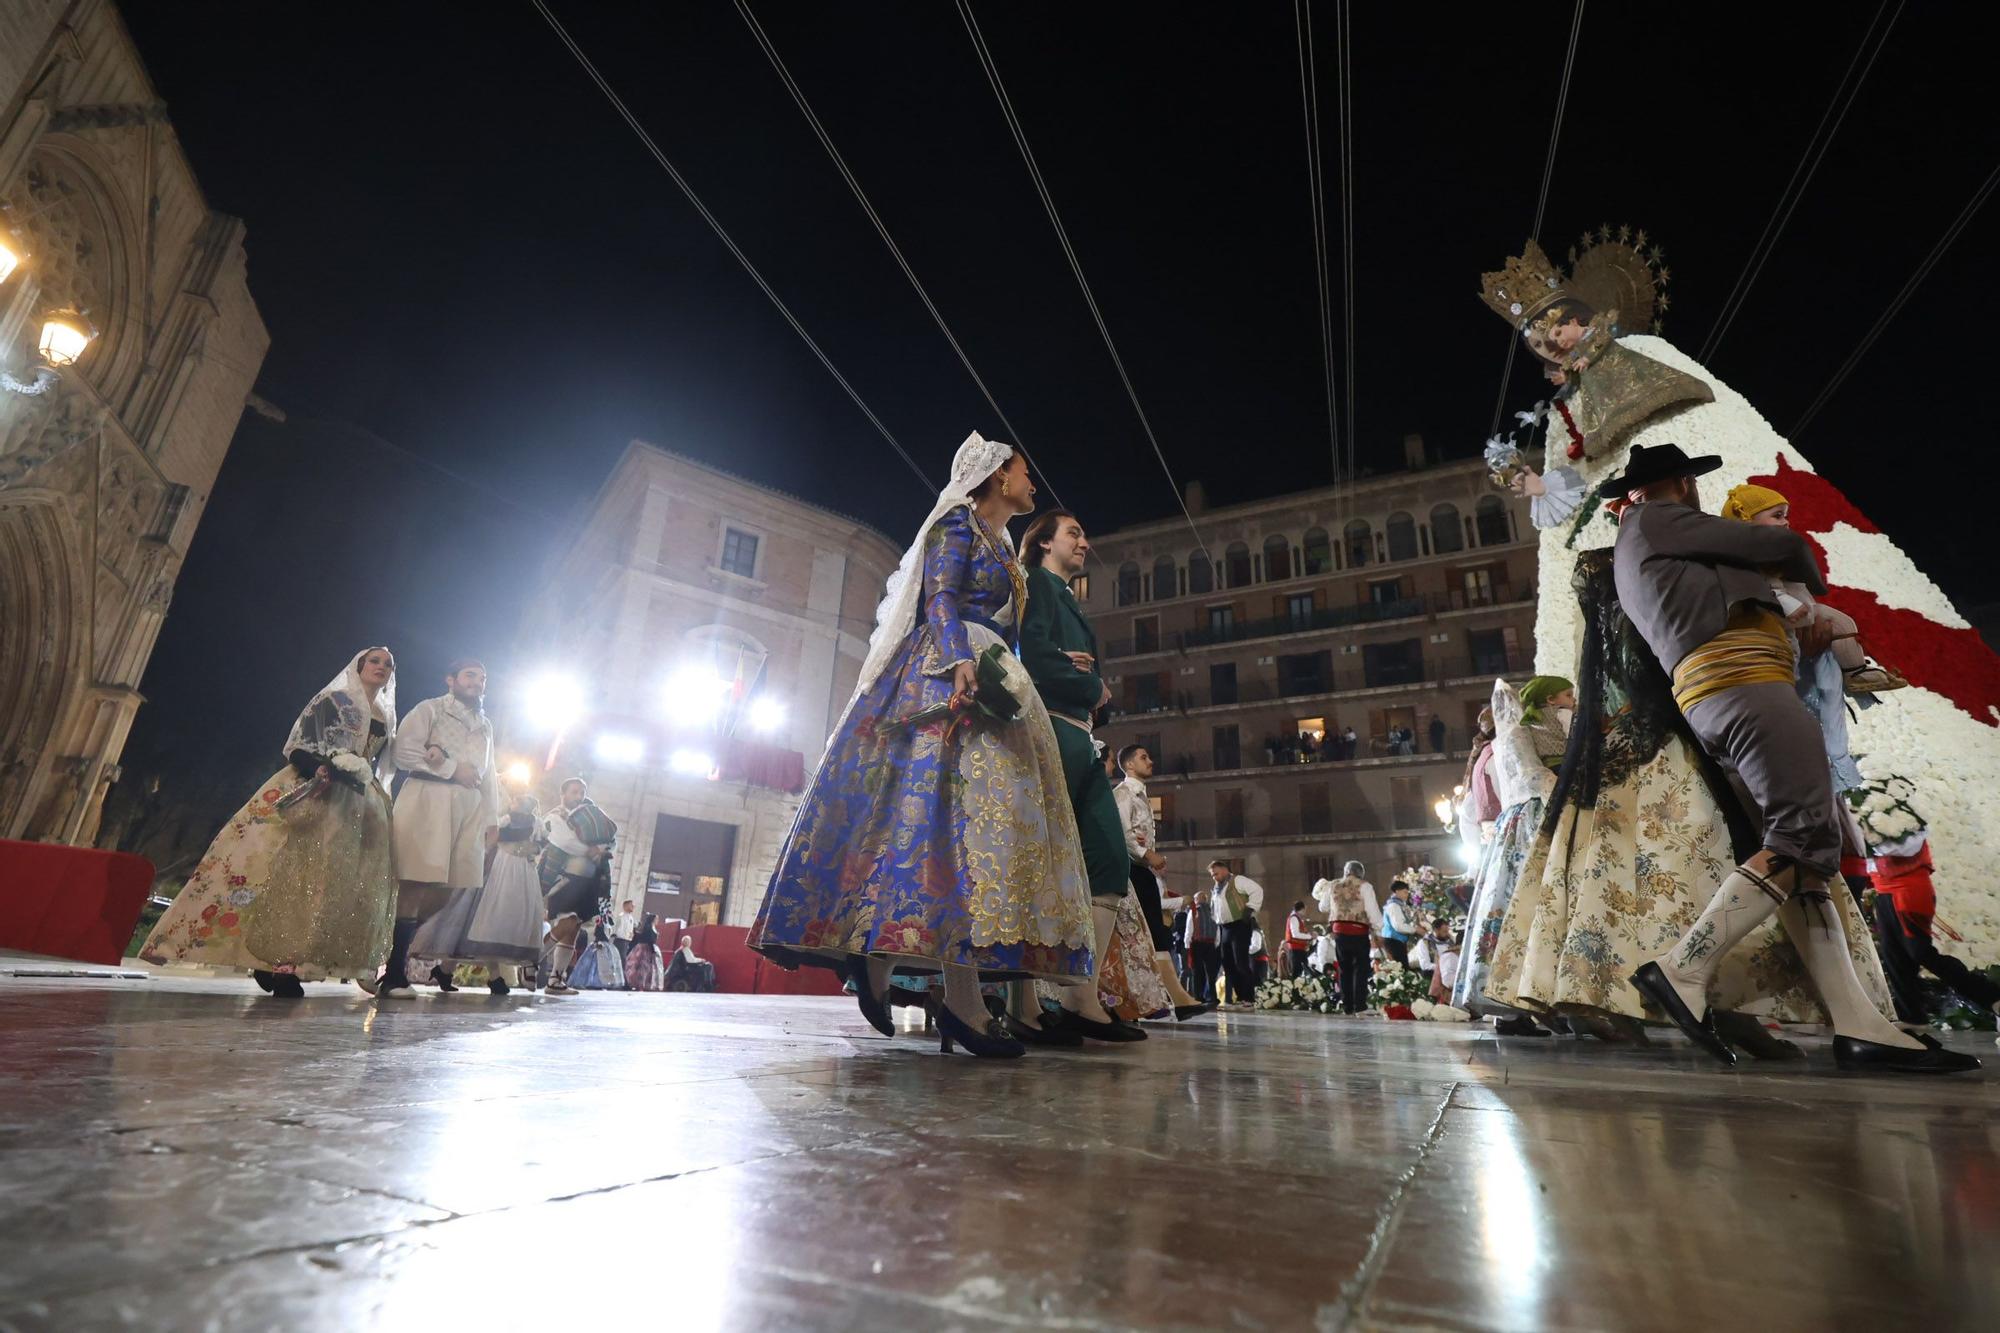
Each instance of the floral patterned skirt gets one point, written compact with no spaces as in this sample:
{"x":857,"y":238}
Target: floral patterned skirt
{"x":949,"y":842}
{"x":1645,"y":863}
{"x":1498,"y":873}
{"x":311,"y":888}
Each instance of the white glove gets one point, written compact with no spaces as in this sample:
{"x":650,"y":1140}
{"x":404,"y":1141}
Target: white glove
{"x":351,"y":764}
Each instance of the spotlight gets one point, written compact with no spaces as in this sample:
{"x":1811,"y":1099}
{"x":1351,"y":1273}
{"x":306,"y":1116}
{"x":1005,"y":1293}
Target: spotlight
{"x":612,"y":748}
{"x":692,"y":762}
{"x":519,"y":773}
{"x":695,"y":695}
{"x":555,"y":701}
{"x":766,"y":714}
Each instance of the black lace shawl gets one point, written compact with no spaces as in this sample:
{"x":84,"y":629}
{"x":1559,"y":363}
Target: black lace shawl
{"x":1625,"y":712}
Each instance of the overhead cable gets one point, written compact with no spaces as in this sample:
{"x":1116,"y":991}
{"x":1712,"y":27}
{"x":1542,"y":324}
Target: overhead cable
{"x":1767,"y":240}
{"x":1309,"y":112}
{"x":625,"y":113}
{"x":1895,"y":306}
{"x":992,"y":71}
{"x":826,"y":141}
{"x":1541,"y":200}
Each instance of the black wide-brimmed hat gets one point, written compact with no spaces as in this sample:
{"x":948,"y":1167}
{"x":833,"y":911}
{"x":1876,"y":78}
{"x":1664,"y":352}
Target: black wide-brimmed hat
{"x":1657,"y":463}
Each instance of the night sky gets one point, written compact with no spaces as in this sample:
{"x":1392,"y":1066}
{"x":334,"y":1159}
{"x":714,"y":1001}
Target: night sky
{"x":479,"y":286}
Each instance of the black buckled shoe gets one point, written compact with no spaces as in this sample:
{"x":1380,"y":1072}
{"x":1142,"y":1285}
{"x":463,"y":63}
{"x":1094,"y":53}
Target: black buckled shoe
{"x":991,"y":1042}
{"x":1114,"y":1031}
{"x":1047,"y":1034}
{"x":1186,"y":1012}
{"x":1852,"y":1053}
{"x":1652,"y":983}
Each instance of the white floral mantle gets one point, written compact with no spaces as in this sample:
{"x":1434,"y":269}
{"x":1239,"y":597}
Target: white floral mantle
{"x":1951,"y":758}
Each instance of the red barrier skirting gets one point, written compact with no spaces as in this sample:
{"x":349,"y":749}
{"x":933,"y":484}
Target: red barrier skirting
{"x":70,"y":902}
{"x":738,"y":971}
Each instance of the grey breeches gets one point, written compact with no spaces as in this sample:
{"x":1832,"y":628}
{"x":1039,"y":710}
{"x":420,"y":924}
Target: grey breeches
{"x":1775,"y":756}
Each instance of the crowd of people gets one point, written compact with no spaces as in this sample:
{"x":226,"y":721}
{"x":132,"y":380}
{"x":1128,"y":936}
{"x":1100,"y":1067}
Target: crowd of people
{"x":324,"y":873}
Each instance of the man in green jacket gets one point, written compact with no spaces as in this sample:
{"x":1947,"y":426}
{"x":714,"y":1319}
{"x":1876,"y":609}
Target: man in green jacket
{"x":1060,"y":652}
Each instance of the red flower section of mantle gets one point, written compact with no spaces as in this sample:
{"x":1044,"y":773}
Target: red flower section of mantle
{"x":1399,"y":1011}
{"x":1955,"y":663}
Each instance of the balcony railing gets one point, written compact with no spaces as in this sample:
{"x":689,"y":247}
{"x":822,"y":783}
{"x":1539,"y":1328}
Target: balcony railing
{"x":1186,"y":832}
{"x":1325,"y":618}
{"x":1257,"y":762}
{"x":1341,"y":680}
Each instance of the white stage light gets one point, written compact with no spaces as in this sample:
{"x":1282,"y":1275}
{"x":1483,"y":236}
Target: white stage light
{"x":612,"y":748}
{"x":766,"y":714}
{"x":695,"y":695}
{"x":693,"y":762}
{"x":555,"y":701}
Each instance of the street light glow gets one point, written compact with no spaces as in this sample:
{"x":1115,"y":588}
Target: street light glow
{"x":615,"y":748}
{"x":692,"y":762}
{"x":8,"y":259}
{"x":64,"y":336}
{"x":766,"y":714}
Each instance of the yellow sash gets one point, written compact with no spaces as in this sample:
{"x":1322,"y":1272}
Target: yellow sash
{"x":1755,"y":649}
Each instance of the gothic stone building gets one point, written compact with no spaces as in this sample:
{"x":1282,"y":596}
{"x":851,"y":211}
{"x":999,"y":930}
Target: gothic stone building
{"x":1384,"y":607}
{"x":104,"y":472}
{"x":717,"y":628}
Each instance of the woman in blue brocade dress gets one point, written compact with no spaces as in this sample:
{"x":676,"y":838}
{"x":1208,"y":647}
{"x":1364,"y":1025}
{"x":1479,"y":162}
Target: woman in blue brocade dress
{"x":949,"y":845}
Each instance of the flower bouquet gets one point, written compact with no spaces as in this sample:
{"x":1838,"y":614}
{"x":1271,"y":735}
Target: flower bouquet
{"x":1888,"y":820}
{"x":1394,"y":986}
{"x":1001,"y":689}
{"x":1311,"y":993}
{"x":1434,"y":893}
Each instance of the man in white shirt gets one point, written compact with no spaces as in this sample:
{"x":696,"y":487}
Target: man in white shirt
{"x":1352,"y":920}
{"x":1399,"y":923}
{"x":1234,"y":901}
{"x":1135,"y":812}
{"x":447,"y":812}
{"x":626,"y":926}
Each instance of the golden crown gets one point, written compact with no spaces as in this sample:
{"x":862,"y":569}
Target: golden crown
{"x":1525,"y":287}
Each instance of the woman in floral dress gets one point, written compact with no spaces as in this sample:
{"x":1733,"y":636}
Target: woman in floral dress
{"x":1519,"y":764}
{"x":301,"y":883}
{"x":1636,"y":839}
{"x":947,"y":845}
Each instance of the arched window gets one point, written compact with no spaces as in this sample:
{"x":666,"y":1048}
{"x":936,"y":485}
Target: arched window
{"x":1402,"y":536}
{"x":1277,"y":559}
{"x":1447,"y":533}
{"x":1128,"y":583}
{"x":1491,"y":520}
{"x":1318,"y":552}
{"x":1166,"y":579}
{"x":1236,"y":564}
{"x":1201,"y":577}
{"x":1360,"y":543}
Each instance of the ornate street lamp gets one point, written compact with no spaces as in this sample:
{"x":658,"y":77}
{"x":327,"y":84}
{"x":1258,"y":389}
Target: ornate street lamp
{"x":65,"y":335}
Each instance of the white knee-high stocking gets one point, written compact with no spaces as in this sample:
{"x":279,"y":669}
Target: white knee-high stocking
{"x":1744,"y":901}
{"x":1815,"y":931}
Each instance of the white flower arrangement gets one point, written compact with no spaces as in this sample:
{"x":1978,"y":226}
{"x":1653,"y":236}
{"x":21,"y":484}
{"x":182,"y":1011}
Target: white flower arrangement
{"x":1432,"y":1012}
{"x":351,"y":764}
{"x":1950,"y":762}
{"x":1312,"y":993}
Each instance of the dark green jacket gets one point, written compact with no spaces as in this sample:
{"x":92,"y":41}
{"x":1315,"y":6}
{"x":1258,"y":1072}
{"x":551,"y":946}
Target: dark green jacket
{"x":1052,"y":625}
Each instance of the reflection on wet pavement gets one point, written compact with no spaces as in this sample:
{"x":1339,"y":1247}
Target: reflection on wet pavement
{"x":180,"y":1153}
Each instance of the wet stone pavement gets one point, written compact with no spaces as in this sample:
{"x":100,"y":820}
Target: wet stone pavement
{"x":190,"y":1154}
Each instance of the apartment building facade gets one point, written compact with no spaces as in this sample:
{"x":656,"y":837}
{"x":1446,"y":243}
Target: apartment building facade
{"x":1387,"y":608}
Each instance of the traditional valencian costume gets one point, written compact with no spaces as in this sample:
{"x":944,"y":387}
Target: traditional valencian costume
{"x":301,"y":880}
{"x":500,"y":922}
{"x":1635,"y":839}
{"x":1521,"y":764}
{"x":948,"y":841}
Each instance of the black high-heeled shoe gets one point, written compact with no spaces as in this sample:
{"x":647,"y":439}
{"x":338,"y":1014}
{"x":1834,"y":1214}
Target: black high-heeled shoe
{"x":1043,"y":1035}
{"x":874,"y":1008}
{"x":286,"y":986}
{"x":441,"y":977}
{"x":498,"y":985}
{"x":991,"y":1044}
{"x":1184,"y":1013}
{"x":262,"y":978}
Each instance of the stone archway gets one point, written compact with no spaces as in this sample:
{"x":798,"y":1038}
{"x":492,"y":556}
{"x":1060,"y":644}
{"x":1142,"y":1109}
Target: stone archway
{"x":43,"y":637}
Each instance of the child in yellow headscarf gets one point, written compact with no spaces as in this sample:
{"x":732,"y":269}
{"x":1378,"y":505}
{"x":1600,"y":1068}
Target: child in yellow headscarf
{"x":1761,"y":504}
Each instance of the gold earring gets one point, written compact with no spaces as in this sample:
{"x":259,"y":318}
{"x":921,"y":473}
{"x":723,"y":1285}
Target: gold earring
{"x":1004,"y":482}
